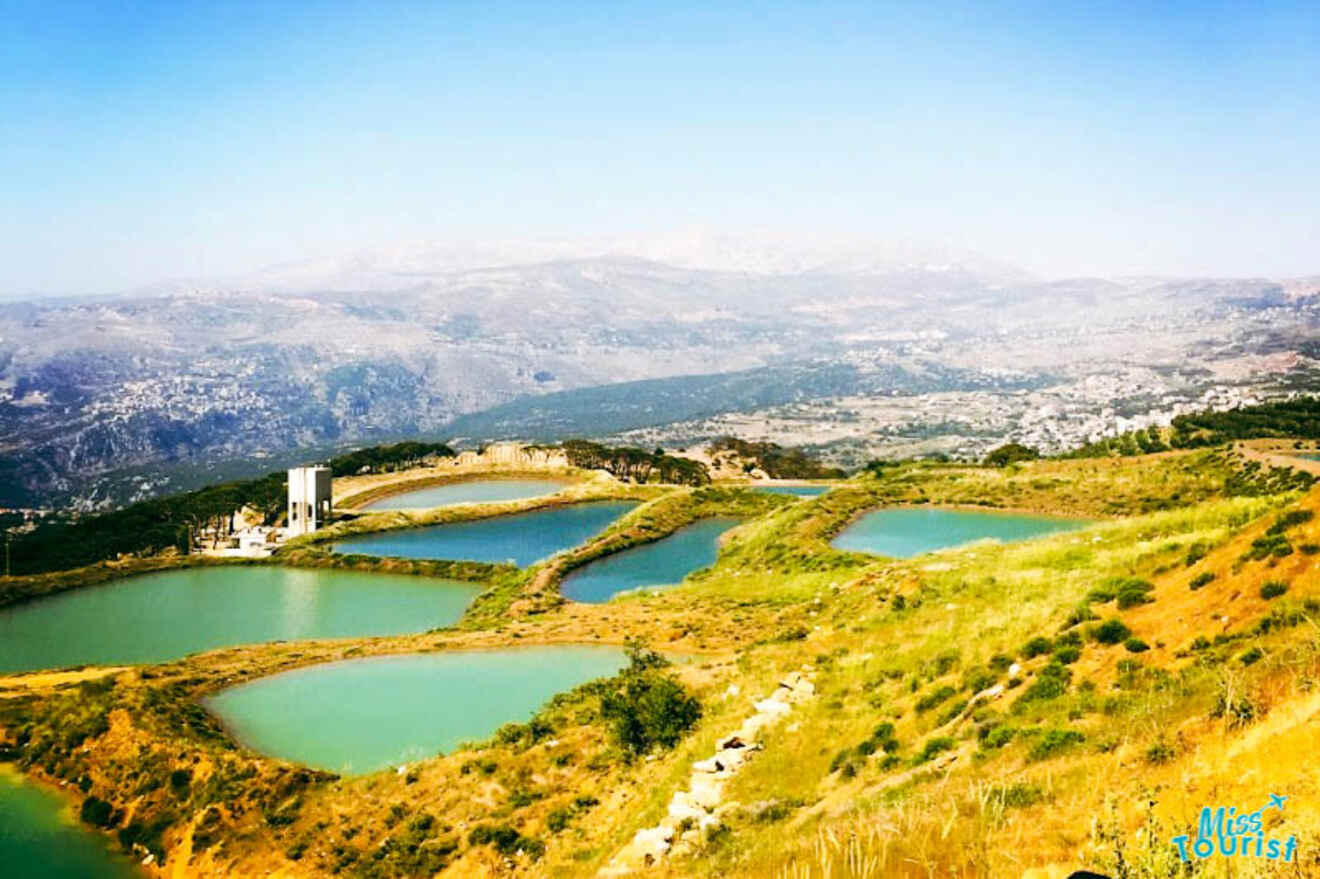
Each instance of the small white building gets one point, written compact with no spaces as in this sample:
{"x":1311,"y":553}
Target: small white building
{"x":309,"y":499}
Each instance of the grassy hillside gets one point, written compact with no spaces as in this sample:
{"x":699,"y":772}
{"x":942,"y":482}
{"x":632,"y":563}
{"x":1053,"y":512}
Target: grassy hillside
{"x":1016,"y":710}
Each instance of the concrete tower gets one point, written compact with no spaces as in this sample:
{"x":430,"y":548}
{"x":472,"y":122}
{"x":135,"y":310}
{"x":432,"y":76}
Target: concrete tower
{"x":309,"y":499}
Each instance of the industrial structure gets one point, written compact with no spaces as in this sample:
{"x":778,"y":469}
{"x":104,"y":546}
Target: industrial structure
{"x":309,"y":499}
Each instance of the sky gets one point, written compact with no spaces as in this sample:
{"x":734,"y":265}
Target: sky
{"x":146,"y":141}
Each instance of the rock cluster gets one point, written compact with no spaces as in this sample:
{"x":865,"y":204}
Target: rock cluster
{"x":694,"y":814}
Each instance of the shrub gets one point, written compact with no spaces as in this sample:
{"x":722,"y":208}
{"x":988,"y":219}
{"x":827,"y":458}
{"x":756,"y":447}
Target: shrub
{"x":1010,"y":453}
{"x":1239,"y":712}
{"x":1111,"y":631}
{"x":1068,"y":639}
{"x":1134,"y":592}
{"x":953,"y":711}
{"x":1068,"y":655}
{"x":1037,"y":646}
{"x":558,"y":819}
{"x":180,"y":779}
{"x":978,"y":679}
{"x":997,"y":736}
{"x":1050,"y":682}
{"x":1160,"y":752}
{"x":1273,"y":589}
{"x":649,"y":709}
{"x":1290,"y":519}
{"x":506,"y":839}
{"x":1136,"y":645}
{"x":96,"y":812}
{"x":1053,"y":741}
{"x":1201,"y":580}
{"x":1081,"y":614}
{"x":1269,"y":546}
{"x":1252,"y":656}
{"x":933,"y":698}
{"x":933,"y":748}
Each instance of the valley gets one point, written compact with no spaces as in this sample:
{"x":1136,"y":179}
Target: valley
{"x":108,"y":400}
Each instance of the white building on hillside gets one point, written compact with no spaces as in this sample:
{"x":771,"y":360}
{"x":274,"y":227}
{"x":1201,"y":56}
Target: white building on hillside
{"x":309,"y":499}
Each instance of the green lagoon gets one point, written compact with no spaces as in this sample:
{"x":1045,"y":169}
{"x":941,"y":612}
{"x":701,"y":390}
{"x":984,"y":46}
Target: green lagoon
{"x":663,"y":562}
{"x":796,"y":490}
{"x":902,"y":532}
{"x":362,"y":715}
{"x":162,"y":616}
{"x":522,"y":538}
{"x":474,"y":491}
{"x":39,"y":839}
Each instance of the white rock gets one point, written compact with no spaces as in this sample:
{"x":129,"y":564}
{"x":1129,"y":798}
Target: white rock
{"x":771,"y":707}
{"x":683,"y":808}
{"x":733,"y":759}
{"x":732,"y":691}
{"x":1014,"y":670}
{"x":707,"y":791}
{"x":751,"y":726}
{"x":654,"y":839}
{"x":707,"y":765}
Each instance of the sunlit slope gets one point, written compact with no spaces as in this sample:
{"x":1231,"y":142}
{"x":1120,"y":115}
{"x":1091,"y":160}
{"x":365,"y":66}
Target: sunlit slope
{"x":1027,"y":709}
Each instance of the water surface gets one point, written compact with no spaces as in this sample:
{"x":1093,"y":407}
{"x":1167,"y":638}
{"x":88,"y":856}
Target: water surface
{"x":471,"y":491}
{"x":522,"y":538}
{"x":665,"y":561}
{"x":39,"y":839}
{"x":907,"y":531}
{"x":362,"y":715}
{"x":170,"y":614}
{"x":798,"y":490}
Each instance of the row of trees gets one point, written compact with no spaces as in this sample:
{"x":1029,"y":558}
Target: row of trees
{"x":776,"y":461}
{"x":635,"y":465}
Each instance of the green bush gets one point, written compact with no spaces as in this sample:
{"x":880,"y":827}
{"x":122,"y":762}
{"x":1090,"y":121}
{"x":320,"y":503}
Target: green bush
{"x":1136,"y":645}
{"x":1068,"y":655}
{"x":1037,"y":646}
{"x":1133,"y":592}
{"x":1111,"y":631}
{"x":1050,"y":682}
{"x":1273,"y":589}
{"x":507,"y":840}
{"x":1053,"y":741}
{"x":933,"y":748}
{"x":933,"y":698}
{"x":96,"y":812}
{"x":648,"y":708}
{"x":1010,"y":453}
{"x":558,"y":819}
{"x":1160,"y":752}
{"x":1201,"y":580}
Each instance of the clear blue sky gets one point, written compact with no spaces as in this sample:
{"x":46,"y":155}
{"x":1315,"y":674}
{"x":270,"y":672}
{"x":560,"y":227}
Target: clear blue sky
{"x":145,"y":140}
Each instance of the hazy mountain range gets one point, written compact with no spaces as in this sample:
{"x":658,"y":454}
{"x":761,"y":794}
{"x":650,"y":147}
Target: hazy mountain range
{"x":100,"y":397}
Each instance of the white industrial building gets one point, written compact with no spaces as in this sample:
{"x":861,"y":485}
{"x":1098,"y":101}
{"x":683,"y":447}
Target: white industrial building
{"x":309,"y":499}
